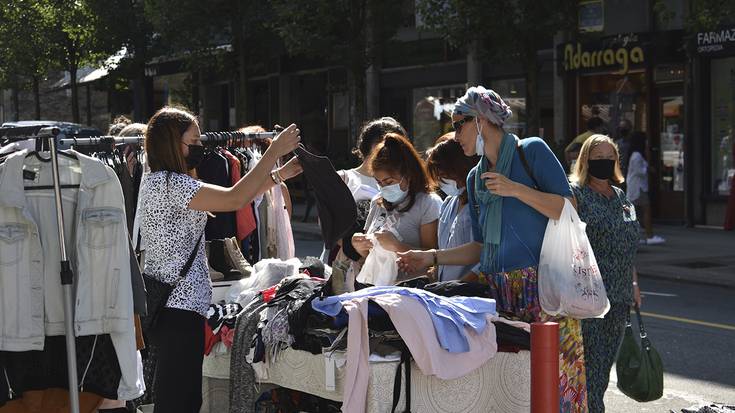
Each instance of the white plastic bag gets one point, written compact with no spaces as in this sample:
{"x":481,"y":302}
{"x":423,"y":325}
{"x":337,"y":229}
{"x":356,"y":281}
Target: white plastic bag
{"x":569,"y":280}
{"x":380,"y":266}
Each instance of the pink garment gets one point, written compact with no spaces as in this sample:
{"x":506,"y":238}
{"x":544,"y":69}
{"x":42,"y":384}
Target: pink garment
{"x":284,"y":233}
{"x":354,"y":396}
{"x":244,"y":216}
{"x":513,"y":323}
{"x":413,"y":323}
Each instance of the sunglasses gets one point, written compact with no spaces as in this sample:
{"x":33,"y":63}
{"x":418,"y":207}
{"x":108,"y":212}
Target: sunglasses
{"x":457,"y":126}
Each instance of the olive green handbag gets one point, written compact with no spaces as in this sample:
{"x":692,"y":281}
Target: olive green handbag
{"x":639,"y":368}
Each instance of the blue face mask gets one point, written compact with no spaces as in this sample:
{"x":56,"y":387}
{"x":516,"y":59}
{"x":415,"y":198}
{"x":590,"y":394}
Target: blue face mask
{"x":393,"y":193}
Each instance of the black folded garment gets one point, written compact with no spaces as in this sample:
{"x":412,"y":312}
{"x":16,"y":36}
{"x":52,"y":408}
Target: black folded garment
{"x":461,"y":288}
{"x":418,"y":282}
{"x":509,"y":336}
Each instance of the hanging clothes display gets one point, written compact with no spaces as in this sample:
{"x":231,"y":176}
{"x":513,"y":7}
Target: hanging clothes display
{"x":282,"y":224}
{"x":215,"y":169}
{"x":98,"y":247}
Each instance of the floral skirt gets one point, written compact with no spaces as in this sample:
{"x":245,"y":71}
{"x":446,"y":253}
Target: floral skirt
{"x":516,"y":296}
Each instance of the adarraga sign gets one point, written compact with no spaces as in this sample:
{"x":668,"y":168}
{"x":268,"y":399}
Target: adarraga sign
{"x":578,"y":57}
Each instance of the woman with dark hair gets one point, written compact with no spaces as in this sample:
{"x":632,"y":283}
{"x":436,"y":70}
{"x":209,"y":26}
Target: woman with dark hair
{"x":637,"y":189}
{"x":516,"y":187}
{"x":172,"y":212}
{"x":360,"y":180}
{"x":357,"y":179}
{"x":449,"y":167}
{"x":404,"y":215}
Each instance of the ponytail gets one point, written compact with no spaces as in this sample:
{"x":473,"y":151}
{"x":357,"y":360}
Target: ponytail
{"x":395,"y":154}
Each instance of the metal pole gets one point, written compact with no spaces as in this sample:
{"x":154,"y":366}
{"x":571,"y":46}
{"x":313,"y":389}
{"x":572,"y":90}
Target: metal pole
{"x":67,"y":282}
{"x":207,"y":137}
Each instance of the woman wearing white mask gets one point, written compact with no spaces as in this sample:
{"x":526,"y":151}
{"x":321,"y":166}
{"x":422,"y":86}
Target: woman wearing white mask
{"x":404,"y":215}
{"x":449,"y":167}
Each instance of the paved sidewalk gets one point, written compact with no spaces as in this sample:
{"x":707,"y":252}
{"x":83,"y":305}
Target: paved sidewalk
{"x":697,"y":255}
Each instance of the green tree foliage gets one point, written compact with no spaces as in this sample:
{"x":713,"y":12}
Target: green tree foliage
{"x":25,"y":51}
{"x":504,"y":31}
{"x":214,"y":36}
{"x":709,"y":14}
{"x":346,"y":33}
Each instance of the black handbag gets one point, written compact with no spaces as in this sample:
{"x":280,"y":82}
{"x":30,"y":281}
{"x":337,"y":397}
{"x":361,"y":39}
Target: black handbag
{"x":640,"y":370}
{"x":157,"y":293}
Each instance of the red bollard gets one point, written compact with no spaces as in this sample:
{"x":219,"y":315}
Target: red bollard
{"x":545,"y":368}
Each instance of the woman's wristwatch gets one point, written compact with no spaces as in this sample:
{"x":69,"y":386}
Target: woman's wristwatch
{"x":435,"y":254}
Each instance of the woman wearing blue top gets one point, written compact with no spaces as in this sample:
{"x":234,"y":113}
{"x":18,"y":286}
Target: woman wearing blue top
{"x":449,"y":167}
{"x":509,"y":209}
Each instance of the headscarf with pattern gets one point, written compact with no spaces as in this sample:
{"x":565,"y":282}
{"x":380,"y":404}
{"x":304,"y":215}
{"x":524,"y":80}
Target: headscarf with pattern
{"x":478,"y":101}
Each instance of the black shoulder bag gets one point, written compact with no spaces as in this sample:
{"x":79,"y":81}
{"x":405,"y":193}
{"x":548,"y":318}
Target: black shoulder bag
{"x":157,"y":292}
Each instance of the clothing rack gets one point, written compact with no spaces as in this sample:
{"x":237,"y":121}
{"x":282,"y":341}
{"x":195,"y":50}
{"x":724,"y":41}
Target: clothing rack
{"x":206,"y":137}
{"x":51,"y":136}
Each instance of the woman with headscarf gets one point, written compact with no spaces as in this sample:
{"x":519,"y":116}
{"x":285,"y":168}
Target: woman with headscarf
{"x":514,"y":190}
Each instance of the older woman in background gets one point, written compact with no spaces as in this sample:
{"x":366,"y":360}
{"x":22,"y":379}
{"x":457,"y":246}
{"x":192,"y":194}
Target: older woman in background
{"x":613,"y":233}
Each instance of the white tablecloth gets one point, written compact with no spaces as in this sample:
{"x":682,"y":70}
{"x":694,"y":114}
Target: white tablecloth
{"x":501,"y":385}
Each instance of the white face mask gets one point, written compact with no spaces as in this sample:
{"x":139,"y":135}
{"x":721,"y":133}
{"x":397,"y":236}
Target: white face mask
{"x":479,"y":142}
{"x":449,"y":187}
{"x":393,"y":193}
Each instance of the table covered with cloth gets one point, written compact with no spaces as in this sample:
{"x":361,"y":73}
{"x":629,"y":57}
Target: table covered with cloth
{"x":500,"y":385}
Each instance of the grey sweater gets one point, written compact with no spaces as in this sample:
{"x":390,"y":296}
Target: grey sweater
{"x":242,"y":375}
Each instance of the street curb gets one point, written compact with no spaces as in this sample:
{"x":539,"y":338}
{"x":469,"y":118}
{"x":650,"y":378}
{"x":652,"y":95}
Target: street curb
{"x":687,"y":280}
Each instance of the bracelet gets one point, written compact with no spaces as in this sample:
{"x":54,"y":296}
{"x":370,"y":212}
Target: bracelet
{"x":278,"y":174}
{"x":436,"y":258}
{"x":274,"y":177}
{"x":635,"y":283}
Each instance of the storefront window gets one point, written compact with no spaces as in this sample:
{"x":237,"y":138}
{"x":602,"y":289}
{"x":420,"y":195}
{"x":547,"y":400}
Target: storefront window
{"x":723,"y":124}
{"x":672,"y":143}
{"x":513,"y":91}
{"x":612,"y":98}
{"x":432,"y":113}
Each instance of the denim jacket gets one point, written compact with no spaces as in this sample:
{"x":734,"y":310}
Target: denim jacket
{"x":31,"y":299}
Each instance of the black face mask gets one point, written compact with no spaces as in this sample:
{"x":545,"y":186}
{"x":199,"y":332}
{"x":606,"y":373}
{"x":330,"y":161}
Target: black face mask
{"x":601,"y":168}
{"x":196,"y":155}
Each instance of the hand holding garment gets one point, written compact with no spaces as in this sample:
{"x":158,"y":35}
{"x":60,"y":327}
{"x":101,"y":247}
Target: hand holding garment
{"x":336,"y":206}
{"x":380,"y":266}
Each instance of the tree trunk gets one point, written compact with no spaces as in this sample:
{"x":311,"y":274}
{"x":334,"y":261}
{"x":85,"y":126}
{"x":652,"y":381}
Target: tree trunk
{"x":140,"y":110}
{"x":474,"y":64}
{"x":89,"y":103}
{"x":356,"y":84}
{"x":533,"y":109}
{"x":241,"y":89}
{"x":37,"y":97}
{"x":16,"y":103}
{"x":74,"y":93}
{"x":372,"y":74}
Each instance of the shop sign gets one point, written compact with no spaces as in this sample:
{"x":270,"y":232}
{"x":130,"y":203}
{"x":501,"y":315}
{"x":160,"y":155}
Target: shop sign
{"x":591,"y":16}
{"x":579,"y":57}
{"x":720,"y":41}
